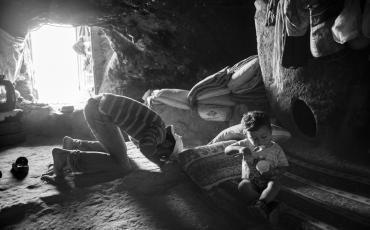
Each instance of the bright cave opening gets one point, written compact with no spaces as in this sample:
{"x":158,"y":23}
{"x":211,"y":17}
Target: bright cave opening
{"x":62,"y":62}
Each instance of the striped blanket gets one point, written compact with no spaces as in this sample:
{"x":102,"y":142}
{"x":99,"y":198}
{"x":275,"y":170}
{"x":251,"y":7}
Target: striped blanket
{"x":241,"y":84}
{"x":208,"y":166}
{"x":210,"y":85}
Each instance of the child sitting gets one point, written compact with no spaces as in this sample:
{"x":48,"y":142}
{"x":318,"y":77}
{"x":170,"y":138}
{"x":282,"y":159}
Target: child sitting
{"x":263,"y":162}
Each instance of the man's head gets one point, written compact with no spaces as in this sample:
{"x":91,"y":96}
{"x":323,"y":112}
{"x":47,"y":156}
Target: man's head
{"x":257,"y":128}
{"x":172,"y":144}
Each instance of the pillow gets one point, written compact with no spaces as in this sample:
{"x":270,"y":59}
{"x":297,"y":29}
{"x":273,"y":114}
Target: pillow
{"x":214,"y":112}
{"x":232,"y":133}
{"x":236,"y":133}
{"x":208,"y":166}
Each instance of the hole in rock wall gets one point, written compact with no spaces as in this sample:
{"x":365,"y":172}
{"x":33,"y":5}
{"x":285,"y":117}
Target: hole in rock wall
{"x":304,"y":118}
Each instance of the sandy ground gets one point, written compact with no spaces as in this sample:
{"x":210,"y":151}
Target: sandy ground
{"x":148,"y":198}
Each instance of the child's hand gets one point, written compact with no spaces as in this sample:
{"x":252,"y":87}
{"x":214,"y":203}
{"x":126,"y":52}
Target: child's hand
{"x":232,"y":150}
{"x":245,"y":151}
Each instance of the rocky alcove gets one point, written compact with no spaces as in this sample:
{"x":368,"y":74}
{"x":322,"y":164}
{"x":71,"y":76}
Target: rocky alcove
{"x":141,"y":45}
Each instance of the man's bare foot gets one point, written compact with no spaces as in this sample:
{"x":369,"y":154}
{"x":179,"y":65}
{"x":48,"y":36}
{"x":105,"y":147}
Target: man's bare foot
{"x":52,"y":179}
{"x":69,"y":143}
{"x":60,"y":160}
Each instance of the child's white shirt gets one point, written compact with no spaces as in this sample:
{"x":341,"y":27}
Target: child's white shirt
{"x":274,"y":154}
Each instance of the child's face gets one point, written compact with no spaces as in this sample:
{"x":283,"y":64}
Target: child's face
{"x":260,"y":137}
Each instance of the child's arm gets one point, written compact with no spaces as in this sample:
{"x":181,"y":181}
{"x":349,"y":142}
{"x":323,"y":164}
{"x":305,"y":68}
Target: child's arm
{"x":237,"y":148}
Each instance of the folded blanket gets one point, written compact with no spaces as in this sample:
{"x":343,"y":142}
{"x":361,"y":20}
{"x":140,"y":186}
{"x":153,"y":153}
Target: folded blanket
{"x":243,"y":72}
{"x":213,"y":82}
{"x":208,"y":166}
{"x":173,"y":97}
{"x":224,"y":100}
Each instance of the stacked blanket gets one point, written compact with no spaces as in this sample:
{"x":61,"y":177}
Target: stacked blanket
{"x":208,"y":166}
{"x":215,"y":97}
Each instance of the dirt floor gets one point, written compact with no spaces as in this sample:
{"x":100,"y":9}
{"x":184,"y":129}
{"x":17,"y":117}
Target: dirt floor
{"x":148,"y":198}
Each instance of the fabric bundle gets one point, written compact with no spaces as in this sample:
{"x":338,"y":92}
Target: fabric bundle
{"x":243,"y":74}
{"x":347,"y":24}
{"x":174,"y":97}
{"x":223,"y":100}
{"x":11,"y":54}
{"x":250,"y":92}
{"x":212,"y":86}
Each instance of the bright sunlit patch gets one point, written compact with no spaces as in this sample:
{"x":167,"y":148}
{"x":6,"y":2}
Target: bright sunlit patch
{"x":56,"y":65}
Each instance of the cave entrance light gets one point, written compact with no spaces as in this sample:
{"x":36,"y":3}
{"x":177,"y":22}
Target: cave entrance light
{"x":61,"y":75}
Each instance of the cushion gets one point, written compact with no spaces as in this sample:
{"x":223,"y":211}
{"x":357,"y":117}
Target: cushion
{"x":208,"y":166}
{"x":236,"y":133}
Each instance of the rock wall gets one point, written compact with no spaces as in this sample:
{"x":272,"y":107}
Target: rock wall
{"x":326,"y":100}
{"x":157,"y":44}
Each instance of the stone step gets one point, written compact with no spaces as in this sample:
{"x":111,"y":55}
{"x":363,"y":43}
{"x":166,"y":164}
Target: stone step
{"x":351,"y":183}
{"x":291,"y":218}
{"x":225,"y":199}
{"x":332,"y":206}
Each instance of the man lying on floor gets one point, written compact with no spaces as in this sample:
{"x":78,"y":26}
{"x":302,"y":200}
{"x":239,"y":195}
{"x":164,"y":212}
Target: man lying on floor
{"x":109,"y":115}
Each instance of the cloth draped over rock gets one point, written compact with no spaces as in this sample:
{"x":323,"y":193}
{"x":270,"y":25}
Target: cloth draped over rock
{"x":306,"y":29}
{"x":11,"y":55}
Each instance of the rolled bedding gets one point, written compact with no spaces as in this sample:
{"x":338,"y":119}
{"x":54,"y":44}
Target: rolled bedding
{"x":211,"y":86}
{"x":243,"y":72}
{"x":172,"y":97}
{"x":224,"y":100}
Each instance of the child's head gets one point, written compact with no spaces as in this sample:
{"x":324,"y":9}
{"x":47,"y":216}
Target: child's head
{"x":257,"y":128}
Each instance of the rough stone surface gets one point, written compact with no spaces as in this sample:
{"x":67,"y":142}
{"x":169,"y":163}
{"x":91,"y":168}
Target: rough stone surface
{"x":148,"y":198}
{"x":334,"y":88}
{"x":156,"y":44}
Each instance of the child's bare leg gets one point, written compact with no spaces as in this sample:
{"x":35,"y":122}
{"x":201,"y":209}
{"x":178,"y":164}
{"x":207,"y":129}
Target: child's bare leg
{"x":270,"y":192}
{"x":248,"y":191}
